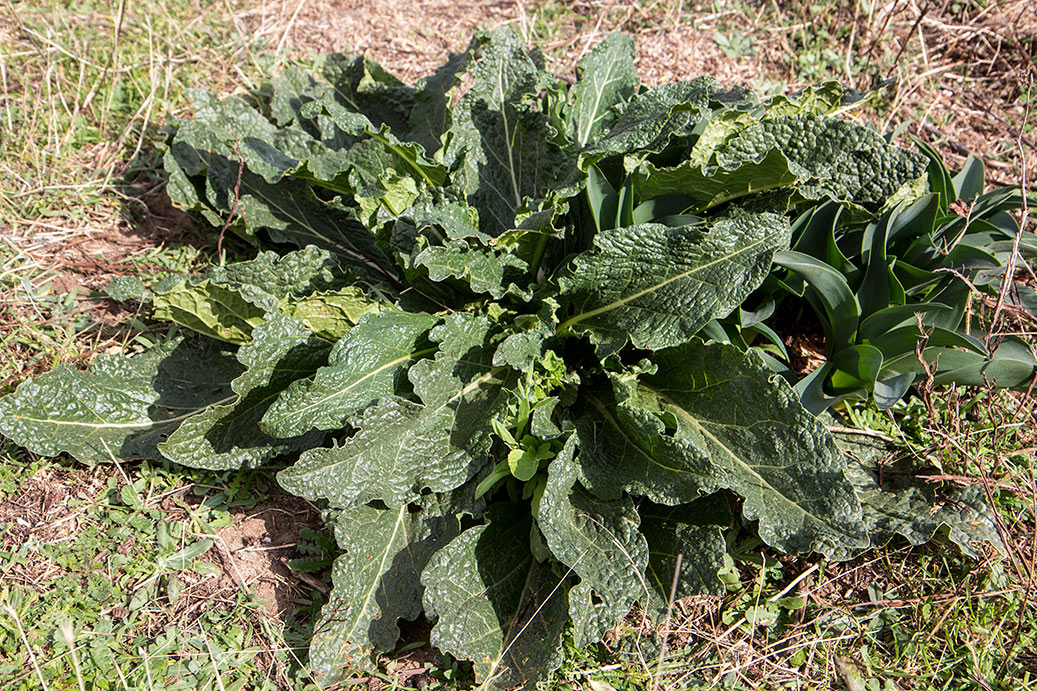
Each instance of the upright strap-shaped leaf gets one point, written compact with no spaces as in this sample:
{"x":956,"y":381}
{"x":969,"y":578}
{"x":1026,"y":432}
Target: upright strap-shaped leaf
{"x":598,"y":540}
{"x":501,"y":135}
{"x":122,"y":407}
{"x":496,"y":604}
{"x":656,"y":286}
{"x":608,"y":77}
{"x":362,"y":367}
{"x":225,"y":436}
{"x":404,"y":447}
{"x":376,"y":582}
{"x":714,"y":418}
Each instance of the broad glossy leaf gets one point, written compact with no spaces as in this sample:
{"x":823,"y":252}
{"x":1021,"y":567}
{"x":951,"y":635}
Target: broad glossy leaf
{"x":708,"y":187}
{"x":330,"y":314}
{"x":652,"y":119}
{"x":404,"y":447}
{"x":495,"y":603}
{"x":288,"y":212}
{"x":226,"y":436}
{"x":223,"y":312}
{"x":365,"y":87}
{"x":121,"y":407}
{"x":289,"y":275}
{"x":598,"y":540}
{"x":363,"y":366}
{"x":607,"y":78}
{"x":692,"y":531}
{"x":714,"y":418}
{"x":817,"y":99}
{"x":376,"y":582}
{"x":479,"y":267}
{"x":656,"y":286}
{"x":851,"y":162}
{"x":903,"y":503}
{"x":502,"y":136}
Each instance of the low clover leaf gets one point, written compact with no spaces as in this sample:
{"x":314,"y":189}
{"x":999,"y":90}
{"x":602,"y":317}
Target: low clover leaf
{"x":520,"y":338}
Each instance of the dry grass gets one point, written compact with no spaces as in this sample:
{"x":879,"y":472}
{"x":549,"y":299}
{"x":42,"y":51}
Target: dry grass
{"x":81,"y":201}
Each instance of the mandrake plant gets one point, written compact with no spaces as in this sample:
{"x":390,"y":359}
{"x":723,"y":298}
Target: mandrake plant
{"x":513,"y":335}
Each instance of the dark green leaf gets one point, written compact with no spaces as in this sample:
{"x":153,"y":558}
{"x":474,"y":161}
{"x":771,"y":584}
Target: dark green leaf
{"x":376,"y":582}
{"x":122,"y":407}
{"x":496,"y":604}
{"x":713,"y":418}
{"x":226,"y":436}
{"x":656,"y":286}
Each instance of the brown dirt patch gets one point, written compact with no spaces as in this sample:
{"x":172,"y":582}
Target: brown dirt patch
{"x":254,"y":550}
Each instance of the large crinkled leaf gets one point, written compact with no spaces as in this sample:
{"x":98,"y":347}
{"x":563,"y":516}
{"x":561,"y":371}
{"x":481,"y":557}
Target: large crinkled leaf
{"x":378,"y":150}
{"x":902,"y":503}
{"x":832,"y":156}
{"x":496,"y":604}
{"x":123,"y":406}
{"x":376,"y":582}
{"x":331,"y":314}
{"x":502,"y":135}
{"x":706,"y":187}
{"x":363,"y":366}
{"x":652,"y":119}
{"x":404,"y":447}
{"x":226,"y":436}
{"x":692,"y":531}
{"x":224,"y":312}
{"x":283,"y":276}
{"x":288,"y":211}
{"x":431,"y":117}
{"x":712,"y":417}
{"x":482,"y":269}
{"x":599,"y":541}
{"x":228,"y":302}
{"x":608,"y":78}
{"x":656,"y":286}
{"x":365,"y":87}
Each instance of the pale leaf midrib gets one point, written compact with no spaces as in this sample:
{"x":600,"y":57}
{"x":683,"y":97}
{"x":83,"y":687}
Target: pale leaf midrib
{"x":576,"y":319}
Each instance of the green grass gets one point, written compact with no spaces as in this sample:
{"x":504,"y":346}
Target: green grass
{"x":108,"y":584}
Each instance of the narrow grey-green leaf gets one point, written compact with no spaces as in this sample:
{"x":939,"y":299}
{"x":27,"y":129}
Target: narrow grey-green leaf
{"x":226,"y":436}
{"x":657,"y":286}
{"x":496,"y":604}
{"x":598,"y":540}
{"x":607,"y":78}
{"x":123,"y":406}
{"x":376,"y":582}
{"x":712,"y":417}
{"x":362,"y":367}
